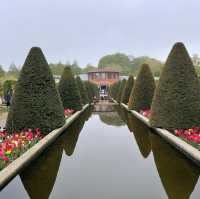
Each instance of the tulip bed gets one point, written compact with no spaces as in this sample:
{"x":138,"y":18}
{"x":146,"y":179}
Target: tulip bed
{"x":191,"y":136}
{"x":68,"y":112}
{"x":14,"y":145}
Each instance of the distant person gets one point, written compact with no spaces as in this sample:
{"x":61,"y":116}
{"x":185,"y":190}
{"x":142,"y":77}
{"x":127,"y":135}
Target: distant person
{"x":8,"y":97}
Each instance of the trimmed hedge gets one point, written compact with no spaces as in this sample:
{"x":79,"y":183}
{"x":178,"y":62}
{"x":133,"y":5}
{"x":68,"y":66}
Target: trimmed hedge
{"x":143,"y":90}
{"x":121,"y":88}
{"x":127,"y":89}
{"x":92,"y":90}
{"x":36,"y":102}
{"x":83,"y":91}
{"x":114,"y":88}
{"x":68,"y":90}
{"x":176,"y":103}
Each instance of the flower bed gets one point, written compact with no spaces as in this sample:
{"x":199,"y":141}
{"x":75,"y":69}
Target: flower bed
{"x":191,"y":136}
{"x":14,"y":145}
{"x":68,"y":112}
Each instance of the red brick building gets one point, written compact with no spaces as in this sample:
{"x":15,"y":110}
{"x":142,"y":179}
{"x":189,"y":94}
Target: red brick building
{"x":103,"y":78}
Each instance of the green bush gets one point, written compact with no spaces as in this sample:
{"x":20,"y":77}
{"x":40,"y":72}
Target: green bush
{"x":83,"y":91}
{"x":68,"y":90}
{"x":121,"y":88}
{"x":127,"y":89}
{"x":143,"y":90}
{"x":176,"y":103}
{"x":113,"y":91}
{"x":36,"y":102}
{"x":8,"y":85}
{"x":92,"y":91}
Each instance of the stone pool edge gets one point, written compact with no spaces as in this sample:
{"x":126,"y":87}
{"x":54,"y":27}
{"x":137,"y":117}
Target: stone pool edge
{"x":9,"y":172}
{"x":188,"y":150}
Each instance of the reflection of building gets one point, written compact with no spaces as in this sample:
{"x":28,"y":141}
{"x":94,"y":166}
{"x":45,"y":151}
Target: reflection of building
{"x":103,"y":78}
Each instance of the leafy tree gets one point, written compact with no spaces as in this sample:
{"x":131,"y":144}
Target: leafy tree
{"x":88,"y":68}
{"x":176,"y":103}
{"x":83,"y":91}
{"x":143,"y":90}
{"x":75,"y":68}
{"x":57,"y":69}
{"x":36,"y":102}
{"x":127,"y":90}
{"x":13,"y":70}
{"x":155,"y":65}
{"x":68,"y":90}
{"x":117,"y":61}
{"x":8,"y":85}
{"x":2,"y":72}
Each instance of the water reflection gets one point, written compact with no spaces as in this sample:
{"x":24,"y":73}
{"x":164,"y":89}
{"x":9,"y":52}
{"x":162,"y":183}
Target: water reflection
{"x":141,"y":134}
{"x":39,"y":178}
{"x":178,"y":175}
{"x":70,"y":137}
{"x":111,"y":118}
{"x":122,"y":113}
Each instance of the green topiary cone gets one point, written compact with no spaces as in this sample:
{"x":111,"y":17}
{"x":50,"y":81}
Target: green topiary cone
{"x":83,"y":91}
{"x":121,"y":88}
{"x":36,"y":102}
{"x":127,"y":90}
{"x":68,"y":90}
{"x":143,"y":90}
{"x":176,"y":103}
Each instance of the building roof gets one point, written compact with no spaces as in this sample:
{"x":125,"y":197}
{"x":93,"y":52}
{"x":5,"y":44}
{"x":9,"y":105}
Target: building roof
{"x":106,"y":69}
{"x":104,"y":82}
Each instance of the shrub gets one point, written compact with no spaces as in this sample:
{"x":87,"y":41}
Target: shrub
{"x":68,"y":90}
{"x":176,"y":103}
{"x":8,"y":86}
{"x":121,"y":88}
{"x":113,"y":91}
{"x":127,"y":89}
{"x":92,"y":90}
{"x":83,"y":91}
{"x":36,"y":102}
{"x":143,"y":90}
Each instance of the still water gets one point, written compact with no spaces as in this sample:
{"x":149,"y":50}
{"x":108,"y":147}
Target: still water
{"x":107,"y":155}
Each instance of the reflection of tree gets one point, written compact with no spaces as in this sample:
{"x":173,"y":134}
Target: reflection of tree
{"x":111,"y":118}
{"x":70,"y":136}
{"x":141,"y":133}
{"x":39,"y":178}
{"x":122,"y":113}
{"x":177,"y":174}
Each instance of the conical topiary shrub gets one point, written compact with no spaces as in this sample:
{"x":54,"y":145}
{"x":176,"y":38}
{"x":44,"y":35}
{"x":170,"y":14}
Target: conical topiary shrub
{"x":83,"y":91}
{"x":176,"y":103}
{"x":36,"y":102}
{"x":68,"y":90}
{"x":113,"y":91}
{"x":143,"y":90}
{"x":127,"y":90}
{"x":121,"y":88}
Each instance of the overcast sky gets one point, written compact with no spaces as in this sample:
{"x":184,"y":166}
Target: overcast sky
{"x":85,"y":30}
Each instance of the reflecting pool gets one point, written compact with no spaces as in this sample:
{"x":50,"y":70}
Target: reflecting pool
{"x":107,"y":155}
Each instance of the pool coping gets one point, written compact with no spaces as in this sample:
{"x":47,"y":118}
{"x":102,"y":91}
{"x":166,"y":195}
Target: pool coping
{"x":9,"y":172}
{"x":188,"y":150}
